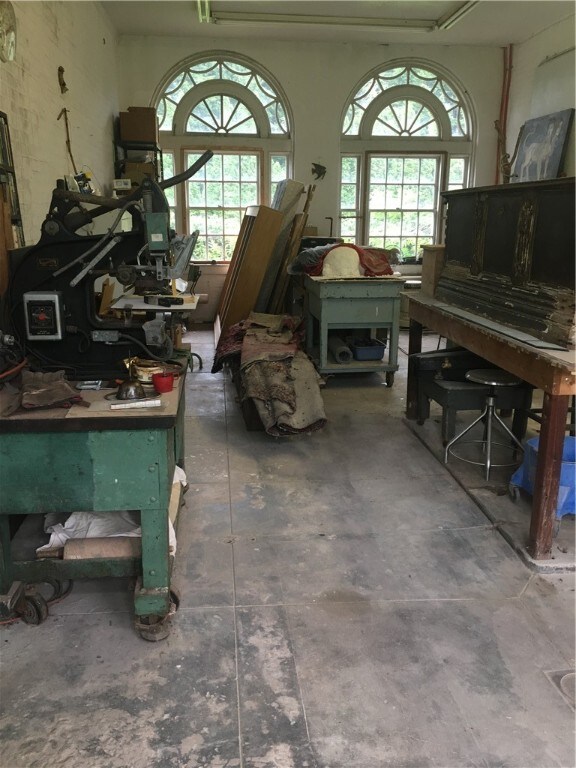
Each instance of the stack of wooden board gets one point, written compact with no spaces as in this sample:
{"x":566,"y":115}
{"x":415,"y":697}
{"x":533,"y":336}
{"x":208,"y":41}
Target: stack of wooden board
{"x":269,"y":239}
{"x":258,"y":234}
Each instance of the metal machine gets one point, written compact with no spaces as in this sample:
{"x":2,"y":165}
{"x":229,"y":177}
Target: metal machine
{"x":54,"y":302}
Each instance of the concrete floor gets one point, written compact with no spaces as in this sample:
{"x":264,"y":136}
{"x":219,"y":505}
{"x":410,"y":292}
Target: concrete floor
{"x":345,"y":604}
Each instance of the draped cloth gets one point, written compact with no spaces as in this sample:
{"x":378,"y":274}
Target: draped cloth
{"x":275,"y":373}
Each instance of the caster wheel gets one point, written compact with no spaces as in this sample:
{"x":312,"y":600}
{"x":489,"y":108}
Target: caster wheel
{"x":34,"y":609}
{"x":156,"y":628}
{"x":389,"y":379}
{"x":153,"y":628}
{"x":55,"y":587}
{"x":513,"y":492}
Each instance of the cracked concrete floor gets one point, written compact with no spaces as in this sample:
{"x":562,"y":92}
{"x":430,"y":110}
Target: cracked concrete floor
{"x":345,"y":604}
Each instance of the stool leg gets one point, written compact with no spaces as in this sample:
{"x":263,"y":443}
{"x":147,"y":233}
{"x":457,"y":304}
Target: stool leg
{"x":490,"y":413}
{"x":508,"y":432}
{"x":464,"y":432}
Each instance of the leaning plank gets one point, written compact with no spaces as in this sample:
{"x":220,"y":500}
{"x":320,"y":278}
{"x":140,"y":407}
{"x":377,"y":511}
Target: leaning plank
{"x":287,"y":201}
{"x":249,"y":263}
{"x":276,"y":305}
{"x":276,"y":302}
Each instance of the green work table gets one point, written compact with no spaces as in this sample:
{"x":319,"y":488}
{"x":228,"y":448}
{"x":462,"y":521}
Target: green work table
{"x":356,"y":304}
{"x":94,"y":459}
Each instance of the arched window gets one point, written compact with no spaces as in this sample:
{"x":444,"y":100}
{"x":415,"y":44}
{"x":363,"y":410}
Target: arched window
{"x":230,"y":105}
{"x":406,"y":137}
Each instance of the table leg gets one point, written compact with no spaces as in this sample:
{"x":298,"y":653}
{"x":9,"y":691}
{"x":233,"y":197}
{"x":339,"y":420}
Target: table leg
{"x":549,"y":464}
{"x":152,"y":597}
{"x":414,"y":346}
{"x":5,"y":555}
{"x":323,"y":343}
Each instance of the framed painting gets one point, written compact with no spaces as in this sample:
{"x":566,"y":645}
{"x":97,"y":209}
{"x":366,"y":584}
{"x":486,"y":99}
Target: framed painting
{"x":541,"y":147}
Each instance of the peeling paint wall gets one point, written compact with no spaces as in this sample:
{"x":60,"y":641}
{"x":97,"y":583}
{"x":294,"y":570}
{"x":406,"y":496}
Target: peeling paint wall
{"x":78,"y":37}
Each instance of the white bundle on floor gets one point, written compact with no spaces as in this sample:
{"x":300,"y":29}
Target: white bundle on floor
{"x":96,"y":525}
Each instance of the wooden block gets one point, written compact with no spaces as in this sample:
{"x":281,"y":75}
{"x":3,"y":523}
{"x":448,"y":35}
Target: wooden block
{"x":107,"y":297}
{"x":103,"y":548}
{"x":432,"y":266}
{"x":175,"y":501}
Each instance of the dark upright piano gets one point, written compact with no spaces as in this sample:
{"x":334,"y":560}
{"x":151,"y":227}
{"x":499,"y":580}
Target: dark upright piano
{"x":506,"y":293}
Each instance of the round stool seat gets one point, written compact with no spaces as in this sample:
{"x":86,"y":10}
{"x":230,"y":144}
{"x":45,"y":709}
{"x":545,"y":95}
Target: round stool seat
{"x":493,"y":377}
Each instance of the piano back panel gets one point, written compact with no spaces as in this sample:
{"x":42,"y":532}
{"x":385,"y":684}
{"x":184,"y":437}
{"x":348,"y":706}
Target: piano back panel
{"x":510,"y":256}
{"x":500,"y":236}
{"x":554,"y":245}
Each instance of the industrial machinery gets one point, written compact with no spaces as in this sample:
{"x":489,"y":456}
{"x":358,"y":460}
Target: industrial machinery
{"x":62,"y":305}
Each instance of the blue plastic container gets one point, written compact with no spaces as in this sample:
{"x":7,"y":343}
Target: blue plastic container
{"x":524,"y":477}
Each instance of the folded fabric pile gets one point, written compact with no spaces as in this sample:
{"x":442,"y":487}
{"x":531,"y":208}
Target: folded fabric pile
{"x":275,"y":373}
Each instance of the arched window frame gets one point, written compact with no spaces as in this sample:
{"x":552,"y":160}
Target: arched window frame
{"x":177,"y":141}
{"x":363,"y":144}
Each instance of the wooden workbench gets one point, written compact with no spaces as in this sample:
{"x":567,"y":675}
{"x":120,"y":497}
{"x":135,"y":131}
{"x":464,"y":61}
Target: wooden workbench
{"x":94,"y":460}
{"x":550,"y":370}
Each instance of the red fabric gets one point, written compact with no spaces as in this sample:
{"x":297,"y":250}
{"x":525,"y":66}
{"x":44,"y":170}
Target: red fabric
{"x":373,"y":260}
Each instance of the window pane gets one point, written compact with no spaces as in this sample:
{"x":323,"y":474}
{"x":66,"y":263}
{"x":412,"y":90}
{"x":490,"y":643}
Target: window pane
{"x":217,"y":202}
{"x":232,"y":195}
{"x":348,"y":228}
{"x":393,"y":196}
{"x":402,"y":203}
{"x":348,"y":196}
{"x":456,"y":173}
{"x":249,"y":167}
{"x":196,"y":193}
{"x":214,"y":193}
{"x":426,"y":196}
{"x":350,"y":169}
{"x":377,"y":223}
{"x":278,"y":167}
{"x":231,"y":167}
{"x":248,"y":195}
{"x":231,"y":222}
{"x":410,"y":196}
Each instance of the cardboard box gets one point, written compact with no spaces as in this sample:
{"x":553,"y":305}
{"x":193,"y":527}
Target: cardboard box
{"x":137,"y":172}
{"x":139,"y":124}
{"x":432,"y":266}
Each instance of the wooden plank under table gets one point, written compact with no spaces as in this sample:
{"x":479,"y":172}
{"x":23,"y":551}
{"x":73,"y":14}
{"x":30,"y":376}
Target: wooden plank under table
{"x":549,"y":370}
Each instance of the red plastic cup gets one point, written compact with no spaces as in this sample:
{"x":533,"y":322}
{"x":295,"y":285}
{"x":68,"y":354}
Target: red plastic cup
{"x":163,"y":382}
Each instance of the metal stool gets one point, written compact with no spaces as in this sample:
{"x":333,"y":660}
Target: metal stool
{"x":494,"y":378}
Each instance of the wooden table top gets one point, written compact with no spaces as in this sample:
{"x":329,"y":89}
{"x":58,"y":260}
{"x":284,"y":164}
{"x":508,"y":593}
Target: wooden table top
{"x":553,"y":370}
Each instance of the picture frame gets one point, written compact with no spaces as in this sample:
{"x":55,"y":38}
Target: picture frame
{"x":542,"y":146}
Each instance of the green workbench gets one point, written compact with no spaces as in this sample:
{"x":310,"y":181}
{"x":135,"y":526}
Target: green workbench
{"x":364,"y":304}
{"x":94,"y":460}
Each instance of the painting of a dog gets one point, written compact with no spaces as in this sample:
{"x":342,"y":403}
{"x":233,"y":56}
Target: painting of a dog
{"x":542,"y":146}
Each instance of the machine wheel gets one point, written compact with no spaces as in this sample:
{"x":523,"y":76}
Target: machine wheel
{"x":33,"y":609}
{"x":390,"y":378}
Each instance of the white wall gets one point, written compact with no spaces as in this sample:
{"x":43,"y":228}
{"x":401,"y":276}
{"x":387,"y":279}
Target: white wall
{"x":318,"y":80}
{"x":78,"y":37}
{"x":540,"y":87}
